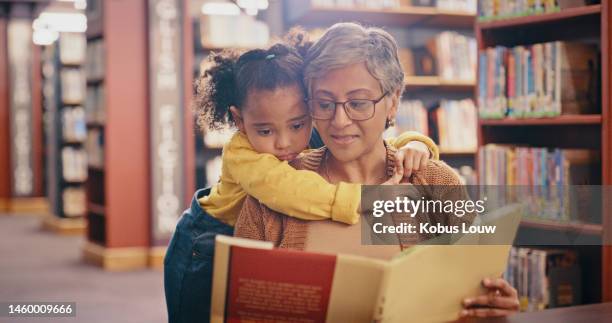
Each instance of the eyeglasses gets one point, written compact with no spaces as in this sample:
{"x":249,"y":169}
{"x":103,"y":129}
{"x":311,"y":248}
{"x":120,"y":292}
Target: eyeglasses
{"x":356,"y":109}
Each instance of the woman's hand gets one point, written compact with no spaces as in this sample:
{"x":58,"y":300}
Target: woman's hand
{"x":412,"y":158}
{"x":501,"y":299}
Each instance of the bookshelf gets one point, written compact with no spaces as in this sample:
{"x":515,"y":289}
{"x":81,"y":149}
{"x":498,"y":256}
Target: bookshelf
{"x":64,"y":97}
{"x":589,"y":24}
{"x":21,"y":147}
{"x":405,"y":16}
{"x":139,"y":121}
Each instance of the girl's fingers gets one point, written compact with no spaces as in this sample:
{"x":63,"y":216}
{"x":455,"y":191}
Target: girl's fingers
{"x":400,"y":156}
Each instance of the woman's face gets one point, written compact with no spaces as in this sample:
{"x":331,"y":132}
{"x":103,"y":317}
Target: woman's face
{"x":276,"y":121}
{"x":348,"y":139}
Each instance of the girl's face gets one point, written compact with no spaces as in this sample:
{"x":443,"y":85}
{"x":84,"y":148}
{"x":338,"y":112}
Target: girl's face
{"x":276,"y":121}
{"x":348,"y":139}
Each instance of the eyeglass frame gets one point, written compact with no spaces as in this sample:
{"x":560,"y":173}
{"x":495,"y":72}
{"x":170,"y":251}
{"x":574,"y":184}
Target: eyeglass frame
{"x":374,"y":102}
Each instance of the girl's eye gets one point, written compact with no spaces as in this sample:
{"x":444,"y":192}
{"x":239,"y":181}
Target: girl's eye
{"x":264,"y":132}
{"x":297,"y":126}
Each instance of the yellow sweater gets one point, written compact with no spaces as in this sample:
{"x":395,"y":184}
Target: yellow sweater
{"x":282,"y":188}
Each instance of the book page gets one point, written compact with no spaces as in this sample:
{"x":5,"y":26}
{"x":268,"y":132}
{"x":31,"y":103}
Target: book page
{"x":429,"y":283}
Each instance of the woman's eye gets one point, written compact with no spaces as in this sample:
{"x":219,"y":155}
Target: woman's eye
{"x":356,"y":104}
{"x":264,"y":132}
{"x":297,"y":126}
{"x":325,"y":105}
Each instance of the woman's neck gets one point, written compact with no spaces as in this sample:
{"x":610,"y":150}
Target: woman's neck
{"x":370,"y":168}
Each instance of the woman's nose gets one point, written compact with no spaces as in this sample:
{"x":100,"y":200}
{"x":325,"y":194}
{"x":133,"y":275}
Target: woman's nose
{"x":340,"y":119}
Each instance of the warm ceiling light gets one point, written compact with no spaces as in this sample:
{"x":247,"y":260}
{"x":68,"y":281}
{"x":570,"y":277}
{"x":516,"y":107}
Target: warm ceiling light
{"x":255,"y":4}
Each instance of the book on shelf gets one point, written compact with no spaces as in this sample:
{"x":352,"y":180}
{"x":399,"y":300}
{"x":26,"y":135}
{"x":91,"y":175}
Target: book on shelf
{"x":456,"y":125}
{"x":544,"y":278}
{"x":94,"y":63}
{"x":74,"y":201}
{"x":95,"y":107}
{"x":95,"y":147}
{"x":540,"y":80}
{"x":73,"y":86}
{"x":467,"y":6}
{"x":239,"y":31}
{"x":555,"y":181}
{"x":74,"y":128}
{"x":449,"y":55}
{"x":72,"y":48}
{"x":412,"y":116}
{"x":74,"y":164}
{"x":252,"y":281}
{"x":504,"y":9}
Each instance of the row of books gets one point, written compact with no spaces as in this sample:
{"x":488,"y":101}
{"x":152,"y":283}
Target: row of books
{"x":74,"y":201}
{"x":546,"y":180}
{"x":95,"y":147}
{"x":544,"y":278}
{"x":72,"y":48}
{"x":503,"y":9}
{"x":239,"y":31}
{"x":456,"y":126}
{"x":452,"y":123}
{"x":468,"y":6}
{"x":540,"y":80}
{"x":74,"y":164}
{"x":449,"y":55}
{"x":73,"y":85}
{"x":510,"y":165}
{"x":74,"y":128}
{"x":94,"y":63}
{"x":95,"y":104}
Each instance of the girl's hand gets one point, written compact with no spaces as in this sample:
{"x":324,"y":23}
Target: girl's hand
{"x":412,"y":158}
{"x":501,"y":299}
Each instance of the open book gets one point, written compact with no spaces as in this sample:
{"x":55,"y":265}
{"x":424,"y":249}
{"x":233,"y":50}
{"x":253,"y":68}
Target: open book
{"x":254,"y":282}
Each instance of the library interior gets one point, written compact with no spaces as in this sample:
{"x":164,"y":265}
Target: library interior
{"x":101,"y":150}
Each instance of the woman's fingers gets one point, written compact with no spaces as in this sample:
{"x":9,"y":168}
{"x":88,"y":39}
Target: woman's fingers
{"x":492,"y":301}
{"x":485,"y":312}
{"x":424,"y":160}
{"x":500,"y":284}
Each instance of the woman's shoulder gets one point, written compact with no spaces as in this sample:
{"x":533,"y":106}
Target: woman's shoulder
{"x":437,"y":172}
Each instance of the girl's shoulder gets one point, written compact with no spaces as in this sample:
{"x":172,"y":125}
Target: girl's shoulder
{"x":309,"y":159}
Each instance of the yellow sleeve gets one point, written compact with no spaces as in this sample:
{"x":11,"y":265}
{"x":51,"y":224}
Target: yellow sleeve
{"x":409,"y":136}
{"x":281,"y":187}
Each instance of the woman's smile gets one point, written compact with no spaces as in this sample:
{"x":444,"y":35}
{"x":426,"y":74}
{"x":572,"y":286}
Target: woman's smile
{"x":344,"y":139}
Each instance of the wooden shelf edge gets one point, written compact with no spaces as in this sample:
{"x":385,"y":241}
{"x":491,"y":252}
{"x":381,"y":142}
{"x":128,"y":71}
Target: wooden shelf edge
{"x":540,"y":18}
{"x":412,"y":82}
{"x":458,"y":152}
{"x":586,"y":119}
{"x":35,"y":205}
{"x":585,"y":228}
{"x":116,"y":259}
{"x":64,"y":226}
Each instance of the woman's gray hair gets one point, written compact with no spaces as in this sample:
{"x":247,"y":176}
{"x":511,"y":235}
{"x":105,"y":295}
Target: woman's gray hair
{"x":349,"y":43}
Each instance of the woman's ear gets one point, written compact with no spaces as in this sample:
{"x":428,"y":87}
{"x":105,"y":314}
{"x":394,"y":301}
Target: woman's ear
{"x":237,"y":118}
{"x":395,"y":100}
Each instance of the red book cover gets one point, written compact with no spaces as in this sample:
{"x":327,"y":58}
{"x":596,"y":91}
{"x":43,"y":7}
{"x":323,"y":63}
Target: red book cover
{"x":278,"y":285}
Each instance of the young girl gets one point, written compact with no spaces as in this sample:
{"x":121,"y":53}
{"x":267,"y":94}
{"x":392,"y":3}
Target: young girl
{"x":261,"y":93}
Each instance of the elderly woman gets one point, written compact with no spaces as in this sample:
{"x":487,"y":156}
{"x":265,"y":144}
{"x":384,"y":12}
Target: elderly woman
{"x":354,"y":83}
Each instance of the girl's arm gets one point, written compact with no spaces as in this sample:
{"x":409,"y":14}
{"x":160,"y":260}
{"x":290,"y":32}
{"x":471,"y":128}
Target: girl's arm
{"x":298,"y":193}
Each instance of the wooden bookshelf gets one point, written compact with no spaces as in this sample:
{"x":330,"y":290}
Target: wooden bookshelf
{"x":30,"y":199}
{"x":590,"y":23}
{"x":419,"y":83}
{"x":584,"y":22}
{"x":563,"y":120}
{"x":396,"y":17}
